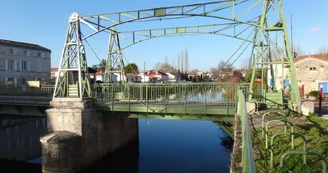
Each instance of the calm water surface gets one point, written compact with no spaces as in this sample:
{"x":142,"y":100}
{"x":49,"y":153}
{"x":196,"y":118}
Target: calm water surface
{"x":175,"y":146}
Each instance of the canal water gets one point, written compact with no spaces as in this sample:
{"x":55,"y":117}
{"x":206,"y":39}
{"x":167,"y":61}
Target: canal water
{"x":175,"y":146}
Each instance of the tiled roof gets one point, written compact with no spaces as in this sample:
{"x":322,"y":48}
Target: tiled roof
{"x":23,"y":45}
{"x":321,"y":57}
{"x":131,"y":74}
{"x":90,"y":70}
{"x":153,"y":72}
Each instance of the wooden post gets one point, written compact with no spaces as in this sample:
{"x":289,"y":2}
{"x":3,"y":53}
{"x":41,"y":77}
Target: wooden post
{"x":320,"y":98}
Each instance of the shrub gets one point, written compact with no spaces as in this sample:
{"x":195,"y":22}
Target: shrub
{"x":314,"y":94}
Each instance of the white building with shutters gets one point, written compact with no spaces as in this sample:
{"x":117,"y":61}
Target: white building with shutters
{"x":21,"y":62}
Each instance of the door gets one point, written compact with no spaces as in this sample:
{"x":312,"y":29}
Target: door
{"x":286,"y":82}
{"x":324,"y":87}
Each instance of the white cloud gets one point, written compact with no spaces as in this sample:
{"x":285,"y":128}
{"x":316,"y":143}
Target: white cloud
{"x":314,"y":29}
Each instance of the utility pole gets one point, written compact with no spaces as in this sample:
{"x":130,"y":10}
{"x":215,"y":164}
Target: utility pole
{"x":291,"y":33}
{"x":178,"y":61}
{"x":144,"y":80}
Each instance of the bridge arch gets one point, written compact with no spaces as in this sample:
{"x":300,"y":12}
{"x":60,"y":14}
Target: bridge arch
{"x":184,"y":30}
{"x":73,"y":58}
{"x":193,"y":10}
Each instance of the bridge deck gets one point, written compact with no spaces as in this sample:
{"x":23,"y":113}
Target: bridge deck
{"x":35,"y":106}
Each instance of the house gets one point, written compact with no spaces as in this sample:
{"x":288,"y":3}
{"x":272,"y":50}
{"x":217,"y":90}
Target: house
{"x":21,"y":62}
{"x":311,"y":71}
{"x":153,"y":76}
{"x":281,"y":76}
{"x":54,"y":75}
{"x":174,"y":77}
{"x":210,"y":75}
{"x":100,"y":77}
{"x":128,"y":77}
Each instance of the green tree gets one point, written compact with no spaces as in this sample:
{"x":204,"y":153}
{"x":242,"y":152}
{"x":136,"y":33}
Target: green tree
{"x":102,"y":65}
{"x":258,"y":74}
{"x":95,"y":67}
{"x":131,"y":68}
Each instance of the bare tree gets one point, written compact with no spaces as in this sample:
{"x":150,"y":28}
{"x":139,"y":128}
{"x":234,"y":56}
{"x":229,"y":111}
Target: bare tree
{"x":186,"y":61}
{"x":221,"y":68}
{"x":225,"y":66}
{"x":323,"y":50}
{"x":298,"y":50}
{"x":165,"y":67}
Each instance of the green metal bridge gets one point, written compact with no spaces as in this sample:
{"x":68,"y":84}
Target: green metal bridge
{"x":202,"y":101}
{"x":260,"y":25}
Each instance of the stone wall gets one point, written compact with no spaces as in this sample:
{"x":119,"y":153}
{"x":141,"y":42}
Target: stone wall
{"x":310,"y":72}
{"x":235,"y":166}
{"x":80,"y":135}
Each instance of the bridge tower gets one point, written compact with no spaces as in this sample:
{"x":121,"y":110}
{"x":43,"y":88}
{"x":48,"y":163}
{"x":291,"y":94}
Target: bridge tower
{"x":73,"y":77}
{"x":79,"y":133}
{"x":115,"y":59}
{"x":269,"y":53}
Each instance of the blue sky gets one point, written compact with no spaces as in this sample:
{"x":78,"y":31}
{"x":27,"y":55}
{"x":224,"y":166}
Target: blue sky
{"x":45,"y":23}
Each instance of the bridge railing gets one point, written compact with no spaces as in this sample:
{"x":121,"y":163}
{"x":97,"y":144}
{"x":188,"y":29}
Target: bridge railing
{"x":16,"y":90}
{"x":167,"y":94}
{"x":248,"y":164}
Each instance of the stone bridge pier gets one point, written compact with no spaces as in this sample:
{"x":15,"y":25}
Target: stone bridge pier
{"x":80,"y":135}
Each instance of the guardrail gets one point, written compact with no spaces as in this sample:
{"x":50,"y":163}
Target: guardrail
{"x":248,"y":165}
{"x":200,"y":98}
{"x":163,"y":93}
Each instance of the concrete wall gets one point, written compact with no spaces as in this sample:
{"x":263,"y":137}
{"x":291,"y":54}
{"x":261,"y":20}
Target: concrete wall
{"x":81,"y":136}
{"x":36,"y":67}
{"x":306,"y":75}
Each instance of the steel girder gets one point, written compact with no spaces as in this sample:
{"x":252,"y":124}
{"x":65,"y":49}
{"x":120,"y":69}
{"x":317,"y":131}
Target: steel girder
{"x":262,"y":40}
{"x":265,"y":46}
{"x":73,"y":69}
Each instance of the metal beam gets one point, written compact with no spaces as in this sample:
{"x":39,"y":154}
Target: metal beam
{"x":210,"y":9}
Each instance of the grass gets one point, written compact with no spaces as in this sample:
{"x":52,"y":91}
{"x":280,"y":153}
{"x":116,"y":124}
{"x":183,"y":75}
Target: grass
{"x":312,"y":127}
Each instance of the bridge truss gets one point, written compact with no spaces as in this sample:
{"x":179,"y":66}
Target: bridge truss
{"x":259,"y":24}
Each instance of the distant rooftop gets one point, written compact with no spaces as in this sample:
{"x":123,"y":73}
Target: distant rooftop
{"x":23,"y":45}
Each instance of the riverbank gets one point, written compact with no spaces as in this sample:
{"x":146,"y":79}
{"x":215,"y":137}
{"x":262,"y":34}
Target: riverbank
{"x":313,"y":128}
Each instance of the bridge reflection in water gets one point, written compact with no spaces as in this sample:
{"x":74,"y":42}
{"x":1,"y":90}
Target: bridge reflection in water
{"x":163,"y":146}
{"x":20,"y":142}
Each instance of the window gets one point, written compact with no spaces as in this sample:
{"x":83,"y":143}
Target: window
{"x":10,"y":64}
{"x":25,"y":53}
{"x":321,"y":66}
{"x":39,"y":54}
{"x":11,"y":51}
{"x":313,"y":68}
{"x":23,"y":81}
{"x":24,"y":65}
{"x":39,"y":79}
